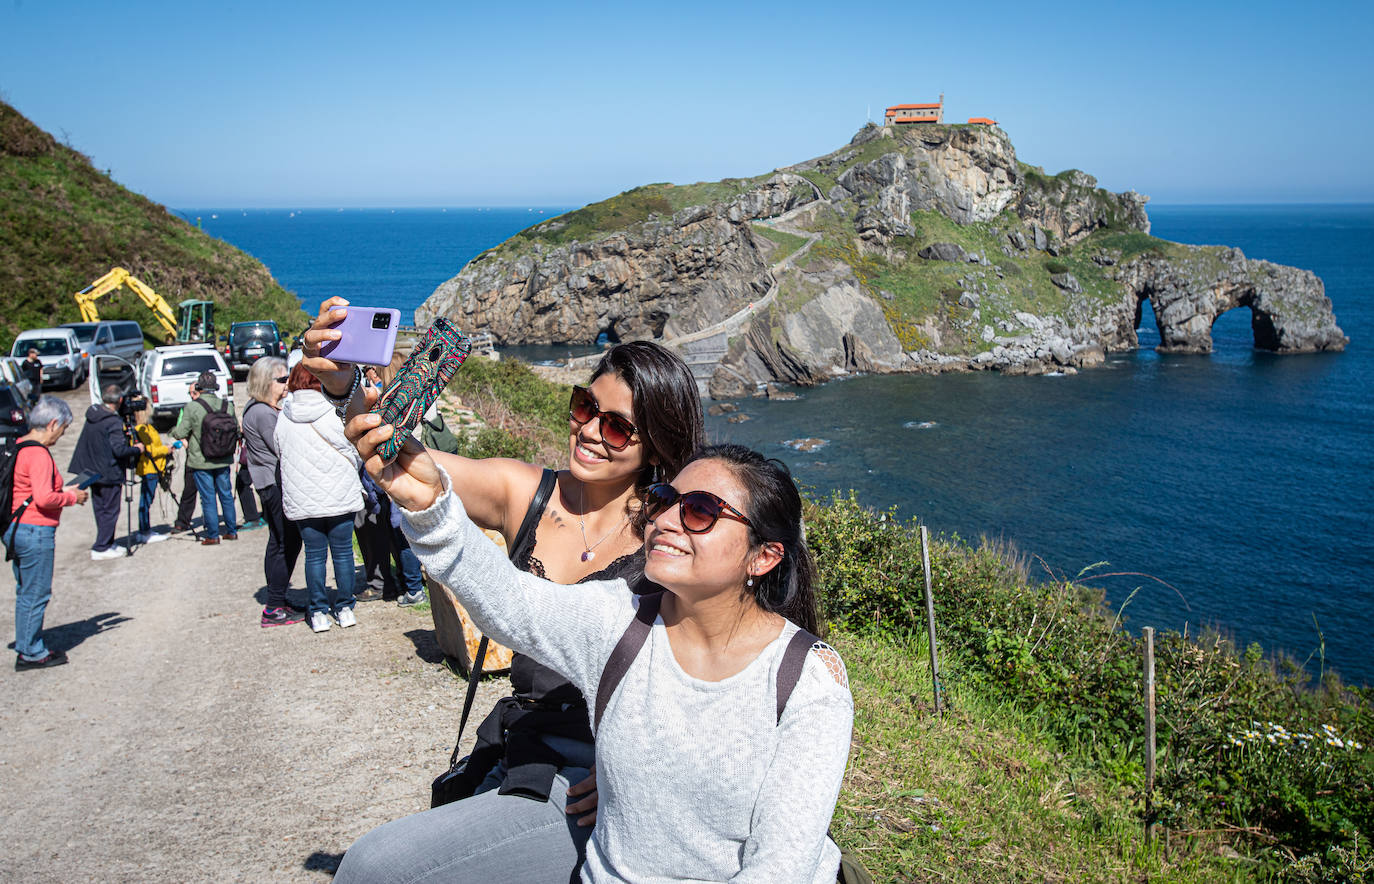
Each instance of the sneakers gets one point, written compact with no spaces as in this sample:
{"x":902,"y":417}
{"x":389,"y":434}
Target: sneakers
{"x":371,"y":595}
{"x":347,"y":618}
{"x":53,"y":658}
{"x":256,"y":523}
{"x":319,"y":622}
{"x":114,"y":552}
{"x":280,"y":617}
{"x":151,"y":537}
{"x":411,"y":598}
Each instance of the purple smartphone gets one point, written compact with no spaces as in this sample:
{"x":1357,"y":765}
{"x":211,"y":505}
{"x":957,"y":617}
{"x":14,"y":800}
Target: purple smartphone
{"x":369,"y":336}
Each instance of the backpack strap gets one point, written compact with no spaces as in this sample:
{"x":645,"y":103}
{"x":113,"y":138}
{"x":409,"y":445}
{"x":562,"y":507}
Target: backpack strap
{"x":522,"y":539}
{"x":625,"y":652}
{"x":790,"y":670}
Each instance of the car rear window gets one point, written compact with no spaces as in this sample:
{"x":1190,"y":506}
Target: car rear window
{"x":84,"y":333}
{"x":44,"y":346}
{"x":193,"y":363}
{"x":242,"y":333}
{"x":9,"y":397}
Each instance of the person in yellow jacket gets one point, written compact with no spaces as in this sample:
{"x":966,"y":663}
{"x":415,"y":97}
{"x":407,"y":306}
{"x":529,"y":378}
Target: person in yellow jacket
{"x":150,"y":467}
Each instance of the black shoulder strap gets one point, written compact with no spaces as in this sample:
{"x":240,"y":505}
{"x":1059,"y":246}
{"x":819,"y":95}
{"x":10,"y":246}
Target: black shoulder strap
{"x":537,"y":504}
{"x":625,"y":652}
{"x":790,"y":670}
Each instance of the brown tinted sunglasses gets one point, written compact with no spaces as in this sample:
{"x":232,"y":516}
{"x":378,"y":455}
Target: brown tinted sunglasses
{"x":616,"y":432}
{"x":698,"y":511}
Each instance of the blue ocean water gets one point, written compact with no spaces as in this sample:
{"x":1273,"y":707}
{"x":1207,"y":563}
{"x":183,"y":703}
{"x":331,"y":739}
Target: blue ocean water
{"x":1242,"y":480}
{"x":378,"y":257}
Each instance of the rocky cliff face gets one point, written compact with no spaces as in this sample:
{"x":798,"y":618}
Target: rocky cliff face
{"x":924,"y":249}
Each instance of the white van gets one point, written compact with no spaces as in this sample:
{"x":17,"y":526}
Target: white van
{"x":123,"y":338}
{"x":60,"y":352}
{"x":165,"y":375}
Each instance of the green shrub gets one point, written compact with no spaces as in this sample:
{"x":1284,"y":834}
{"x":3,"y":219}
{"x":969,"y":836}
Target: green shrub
{"x":1055,"y":266}
{"x":1053,"y":650}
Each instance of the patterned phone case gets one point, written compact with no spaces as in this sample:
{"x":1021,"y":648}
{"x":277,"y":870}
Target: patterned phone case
{"x":432,"y":364}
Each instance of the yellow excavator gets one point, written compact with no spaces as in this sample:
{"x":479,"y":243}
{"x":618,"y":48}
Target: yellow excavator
{"x":193,"y":322}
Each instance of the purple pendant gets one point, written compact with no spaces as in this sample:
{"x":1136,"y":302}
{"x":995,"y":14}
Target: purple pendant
{"x":588,"y":556}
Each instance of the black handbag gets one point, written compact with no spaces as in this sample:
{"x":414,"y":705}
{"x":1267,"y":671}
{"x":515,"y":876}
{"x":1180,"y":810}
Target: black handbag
{"x":465,"y":774}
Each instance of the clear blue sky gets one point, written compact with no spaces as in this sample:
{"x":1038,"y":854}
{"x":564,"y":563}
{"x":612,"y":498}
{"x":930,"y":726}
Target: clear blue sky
{"x":446,"y":103}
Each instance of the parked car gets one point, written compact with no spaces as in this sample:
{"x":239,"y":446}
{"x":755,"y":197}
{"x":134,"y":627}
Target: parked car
{"x":12,"y":374}
{"x":115,"y":337}
{"x":250,"y":341}
{"x":64,"y":363}
{"x":14,"y":416}
{"x":165,"y":375}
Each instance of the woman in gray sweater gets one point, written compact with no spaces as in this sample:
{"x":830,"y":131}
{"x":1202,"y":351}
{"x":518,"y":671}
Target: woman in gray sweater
{"x":706,"y":770}
{"x":267,"y":389}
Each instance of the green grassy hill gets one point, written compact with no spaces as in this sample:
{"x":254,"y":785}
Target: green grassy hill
{"x":63,"y":224}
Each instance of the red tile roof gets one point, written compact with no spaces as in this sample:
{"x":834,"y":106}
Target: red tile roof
{"x":897,"y":107}
{"x":984,"y":121}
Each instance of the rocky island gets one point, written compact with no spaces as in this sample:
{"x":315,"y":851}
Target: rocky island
{"x":927,"y":248}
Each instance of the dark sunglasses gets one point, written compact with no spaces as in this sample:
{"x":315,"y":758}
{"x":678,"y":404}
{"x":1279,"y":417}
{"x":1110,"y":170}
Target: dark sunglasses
{"x":616,"y":432}
{"x":283,"y":379}
{"x":698,"y":510}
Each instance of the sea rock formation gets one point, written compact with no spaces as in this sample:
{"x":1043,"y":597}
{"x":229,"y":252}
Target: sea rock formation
{"x":929,"y":248}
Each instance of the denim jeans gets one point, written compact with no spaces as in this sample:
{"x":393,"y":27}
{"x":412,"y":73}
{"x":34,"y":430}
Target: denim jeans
{"x":33,"y":556}
{"x":410,"y":563}
{"x":145,"y":504}
{"x":215,"y":484}
{"x":490,"y":837}
{"x":331,"y":536}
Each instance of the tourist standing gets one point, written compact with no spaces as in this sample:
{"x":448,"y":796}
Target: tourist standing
{"x":104,"y":449}
{"x":151,"y":465}
{"x":206,"y":454}
{"x":38,"y":501}
{"x":267,"y":389}
{"x":321,"y":492}
{"x":32,"y":367}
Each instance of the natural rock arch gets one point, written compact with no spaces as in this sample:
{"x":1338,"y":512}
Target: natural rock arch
{"x":1289,"y":310}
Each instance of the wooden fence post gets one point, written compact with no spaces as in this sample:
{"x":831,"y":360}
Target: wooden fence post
{"x":1149,"y":733}
{"x":930,"y":624}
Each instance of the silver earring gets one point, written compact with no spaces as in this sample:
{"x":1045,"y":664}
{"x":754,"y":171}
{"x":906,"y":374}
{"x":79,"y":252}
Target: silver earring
{"x":749,"y":582}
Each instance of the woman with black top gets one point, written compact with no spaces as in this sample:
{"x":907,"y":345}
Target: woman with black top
{"x":637,"y":421}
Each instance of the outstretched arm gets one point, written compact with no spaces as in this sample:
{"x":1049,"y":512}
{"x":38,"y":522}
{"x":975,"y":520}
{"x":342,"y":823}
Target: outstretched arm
{"x":570,"y":632}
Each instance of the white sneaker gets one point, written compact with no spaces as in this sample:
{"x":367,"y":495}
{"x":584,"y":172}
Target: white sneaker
{"x":114,"y":552}
{"x":319,"y":622}
{"x":154,"y":537}
{"x":347,"y":618}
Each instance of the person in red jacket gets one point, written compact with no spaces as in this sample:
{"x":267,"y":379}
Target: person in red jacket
{"x":38,"y":491}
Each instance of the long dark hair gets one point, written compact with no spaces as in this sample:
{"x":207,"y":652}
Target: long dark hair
{"x":667,"y":408}
{"x":775,"y":516}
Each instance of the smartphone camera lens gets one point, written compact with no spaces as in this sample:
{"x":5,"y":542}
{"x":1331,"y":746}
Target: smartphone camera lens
{"x":381,"y":320}
{"x":435,"y":354}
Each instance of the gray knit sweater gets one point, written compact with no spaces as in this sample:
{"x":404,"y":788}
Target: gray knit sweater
{"x":697,"y":781}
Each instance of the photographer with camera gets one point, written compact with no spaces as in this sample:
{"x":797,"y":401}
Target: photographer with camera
{"x":105,"y":450}
{"x":212,"y":433}
{"x":152,"y":469}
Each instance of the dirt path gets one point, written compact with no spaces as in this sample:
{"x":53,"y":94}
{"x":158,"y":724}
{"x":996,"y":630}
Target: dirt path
{"x":185,"y":743}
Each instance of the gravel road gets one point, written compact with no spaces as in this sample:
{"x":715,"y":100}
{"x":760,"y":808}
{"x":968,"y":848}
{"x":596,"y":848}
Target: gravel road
{"x":185,"y":743}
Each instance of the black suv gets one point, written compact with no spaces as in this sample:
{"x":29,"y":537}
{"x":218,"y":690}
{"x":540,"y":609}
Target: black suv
{"x":14,"y":421}
{"x":250,"y":341}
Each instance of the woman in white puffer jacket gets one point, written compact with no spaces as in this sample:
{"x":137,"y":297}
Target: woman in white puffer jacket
{"x":320,"y":493}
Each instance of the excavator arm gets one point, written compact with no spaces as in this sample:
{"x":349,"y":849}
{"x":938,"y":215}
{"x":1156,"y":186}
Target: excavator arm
{"x":162,"y":312}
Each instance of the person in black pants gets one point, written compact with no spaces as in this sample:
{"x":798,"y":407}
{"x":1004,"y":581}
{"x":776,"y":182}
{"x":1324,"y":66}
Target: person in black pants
{"x":103,"y":448}
{"x":262,"y":464}
{"x":32,"y":368}
{"x":186,"y":507}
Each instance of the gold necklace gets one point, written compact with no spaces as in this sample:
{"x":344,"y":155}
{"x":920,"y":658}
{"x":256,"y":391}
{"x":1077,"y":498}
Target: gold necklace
{"x":581,"y":526}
